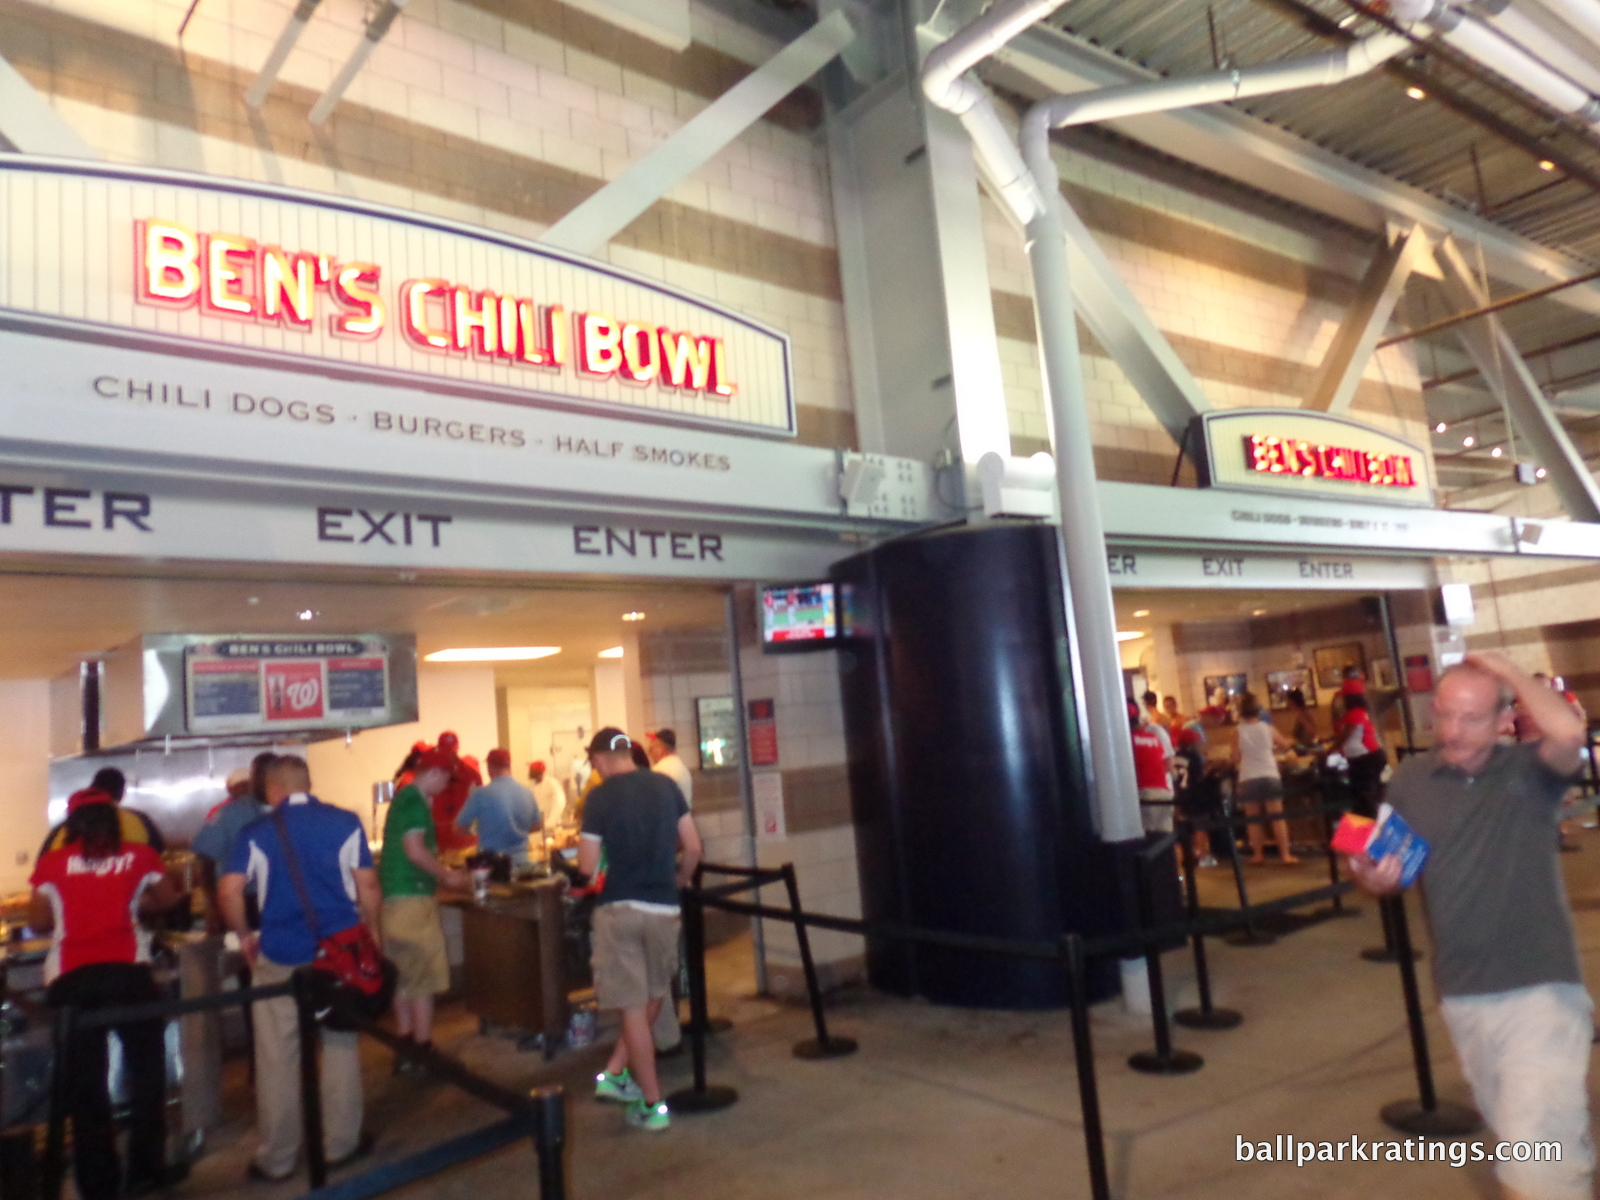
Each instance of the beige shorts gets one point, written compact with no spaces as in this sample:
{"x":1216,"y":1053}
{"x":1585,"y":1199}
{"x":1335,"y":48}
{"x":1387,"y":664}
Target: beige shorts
{"x":635,"y":955}
{"x":414,"y":939}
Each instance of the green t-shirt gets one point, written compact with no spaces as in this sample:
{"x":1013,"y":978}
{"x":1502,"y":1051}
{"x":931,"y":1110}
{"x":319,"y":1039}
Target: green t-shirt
{"x":397,"y":874}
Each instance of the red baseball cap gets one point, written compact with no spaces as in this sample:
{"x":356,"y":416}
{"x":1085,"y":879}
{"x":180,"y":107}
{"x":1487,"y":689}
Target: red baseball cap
{"x":498,"y":758}
{"x":537,"y":765}
{"x":449,"y":742}
{"x":87,"y":796}
{"x":421,"y":747}
{"x":436,"y":760}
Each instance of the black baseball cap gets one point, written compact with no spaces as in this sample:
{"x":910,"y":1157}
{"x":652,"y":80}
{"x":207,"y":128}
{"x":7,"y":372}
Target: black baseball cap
{"x":610,"y":740}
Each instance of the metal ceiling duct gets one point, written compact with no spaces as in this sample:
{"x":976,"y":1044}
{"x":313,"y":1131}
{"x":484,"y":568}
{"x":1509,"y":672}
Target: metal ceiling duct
{"x":1522,"y":28}
{"x":1465,"y":31}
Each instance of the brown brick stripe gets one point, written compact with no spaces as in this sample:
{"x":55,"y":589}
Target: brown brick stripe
{"x":700,"y":69}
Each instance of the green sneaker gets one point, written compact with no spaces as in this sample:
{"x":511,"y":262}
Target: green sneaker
{"x":653,"y":1117}
{"x":617,"y":1089}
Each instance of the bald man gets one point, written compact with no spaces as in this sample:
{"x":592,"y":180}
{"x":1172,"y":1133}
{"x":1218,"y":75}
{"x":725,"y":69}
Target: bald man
{"x":1505,"y":958}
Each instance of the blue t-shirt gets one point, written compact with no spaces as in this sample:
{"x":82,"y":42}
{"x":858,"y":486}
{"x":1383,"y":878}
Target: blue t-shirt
{"x":505,"y":813}
{"x":222,"y":829}
{"x":330,"y":846}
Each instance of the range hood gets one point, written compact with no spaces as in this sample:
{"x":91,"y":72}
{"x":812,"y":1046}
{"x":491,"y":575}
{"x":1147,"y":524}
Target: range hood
{"x":214,"y":690}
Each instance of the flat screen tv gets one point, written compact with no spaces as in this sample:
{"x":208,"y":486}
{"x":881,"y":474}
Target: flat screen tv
{"x":799,"y":616}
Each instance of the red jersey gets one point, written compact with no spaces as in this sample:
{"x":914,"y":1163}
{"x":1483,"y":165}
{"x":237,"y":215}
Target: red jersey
{"x":96,"y":905}
{"x":1359,"y":719}
{"x":448,"y":804}
{"x":1150,"y":760}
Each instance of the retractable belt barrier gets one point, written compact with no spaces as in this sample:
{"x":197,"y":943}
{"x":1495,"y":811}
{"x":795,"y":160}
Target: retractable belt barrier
{"x":1072,"y":952}
{"x":540,"y":1114}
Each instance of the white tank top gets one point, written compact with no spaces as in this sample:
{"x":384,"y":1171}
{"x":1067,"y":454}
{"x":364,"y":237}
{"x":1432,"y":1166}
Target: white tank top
{"x":1255,"y":751}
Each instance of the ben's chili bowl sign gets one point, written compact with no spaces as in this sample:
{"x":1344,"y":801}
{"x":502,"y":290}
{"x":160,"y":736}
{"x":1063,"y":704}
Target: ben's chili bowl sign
{"x":1310,"y":453}
{"x":302,"y":277}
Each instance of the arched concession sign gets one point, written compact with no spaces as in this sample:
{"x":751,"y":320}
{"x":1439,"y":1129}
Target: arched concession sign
{"x":1294,"y":452}
{"x":281,"y":278}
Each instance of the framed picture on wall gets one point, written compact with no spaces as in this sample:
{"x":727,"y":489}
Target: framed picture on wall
{"x":1383,"y":674}
{"x":1281,"y":683}
{"x":1229,"y":685}
{"x":1330,"y":662}
{"x":718,"y":723}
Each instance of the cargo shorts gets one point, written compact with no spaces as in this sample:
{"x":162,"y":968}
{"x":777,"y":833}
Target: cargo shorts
{"x":635,"y":955}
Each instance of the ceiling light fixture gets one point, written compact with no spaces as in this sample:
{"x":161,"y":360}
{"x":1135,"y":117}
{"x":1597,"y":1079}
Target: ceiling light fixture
{"x":1129,"y":635}
{"x":1440,"y":427}
{"x":614,"y":652}
{"x":633,"y":616}
{"x":1540,"y":473}
{"x":1141,"y":612}
{"x":492,"y":654}
{"x":1416,"y":93}
{"x":1258,"y":612}
{"x":1496,"y":452}
{"x":305,"y":614}
{"x":1546,"y":165}
{"x":1469,"y":442}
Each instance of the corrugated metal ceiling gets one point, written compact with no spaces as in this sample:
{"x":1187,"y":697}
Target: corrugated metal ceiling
{"x":1474,"y":140}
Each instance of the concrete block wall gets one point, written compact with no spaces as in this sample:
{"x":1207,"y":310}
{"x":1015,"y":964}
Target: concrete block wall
{"x":499,"y":114}
{"x":819,"y":836}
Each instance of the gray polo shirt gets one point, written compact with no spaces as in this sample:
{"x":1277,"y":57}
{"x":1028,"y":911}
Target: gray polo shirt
{"x":1492,"y":885}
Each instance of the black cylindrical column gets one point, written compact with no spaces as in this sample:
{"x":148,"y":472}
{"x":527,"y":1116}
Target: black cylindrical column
{"x":972,"y":813}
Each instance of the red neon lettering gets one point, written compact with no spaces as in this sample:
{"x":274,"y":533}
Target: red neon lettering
{"x":415,"y":318}
{"x":688,"y":360}
{"x":599,"y":340}
{"x":288,"y":286}
{"x":641,"y":354}
{"x":355,"y":288}
{"x":1268,"y":455}
{"x":168,"y":264}
{"x":722,"y":384}
{"x":475,"y":326}
{"x":221,"y":294}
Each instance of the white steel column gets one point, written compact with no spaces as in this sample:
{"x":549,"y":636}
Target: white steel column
{"x":587,"y":228}
{"x":1495,"y":355}
{"x":268,"y":75}
{"x":29,"y":123}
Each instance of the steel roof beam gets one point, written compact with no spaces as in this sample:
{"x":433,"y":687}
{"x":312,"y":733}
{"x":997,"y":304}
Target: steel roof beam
{"x":1364,"y":322}
{"x":600,"y":218}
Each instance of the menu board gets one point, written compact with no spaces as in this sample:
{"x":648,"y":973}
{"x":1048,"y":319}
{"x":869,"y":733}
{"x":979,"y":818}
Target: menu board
{"x":798,"y":613}
{"x":245,"y":684}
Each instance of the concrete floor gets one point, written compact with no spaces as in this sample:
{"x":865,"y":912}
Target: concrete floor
{"x":943,"y":1104}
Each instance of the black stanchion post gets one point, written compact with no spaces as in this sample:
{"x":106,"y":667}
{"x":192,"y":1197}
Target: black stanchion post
{"x":699,"y":1098}
{"x":550,"y":1141}
{"x":821,"y":1046}
{"x":1083,"y":1051}
{"x":1207,"y":1016}
{"x":55,"y":1143}
{"x":1425,"y":1116}
{"x":310,"y":1082}
{"x":712,"y":1024}
{"x":1163,"y":1060}
{"x":1249,"y":935}
{"x":1388,"y":952}
{"x":1339,"y":910}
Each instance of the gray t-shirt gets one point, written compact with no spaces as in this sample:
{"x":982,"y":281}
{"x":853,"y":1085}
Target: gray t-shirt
{"x":1492,"y":885}
{"x":635,"y":815}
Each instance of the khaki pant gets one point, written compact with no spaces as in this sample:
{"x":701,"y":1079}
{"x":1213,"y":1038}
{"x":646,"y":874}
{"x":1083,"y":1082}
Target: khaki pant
{"x":278,"y":1081}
